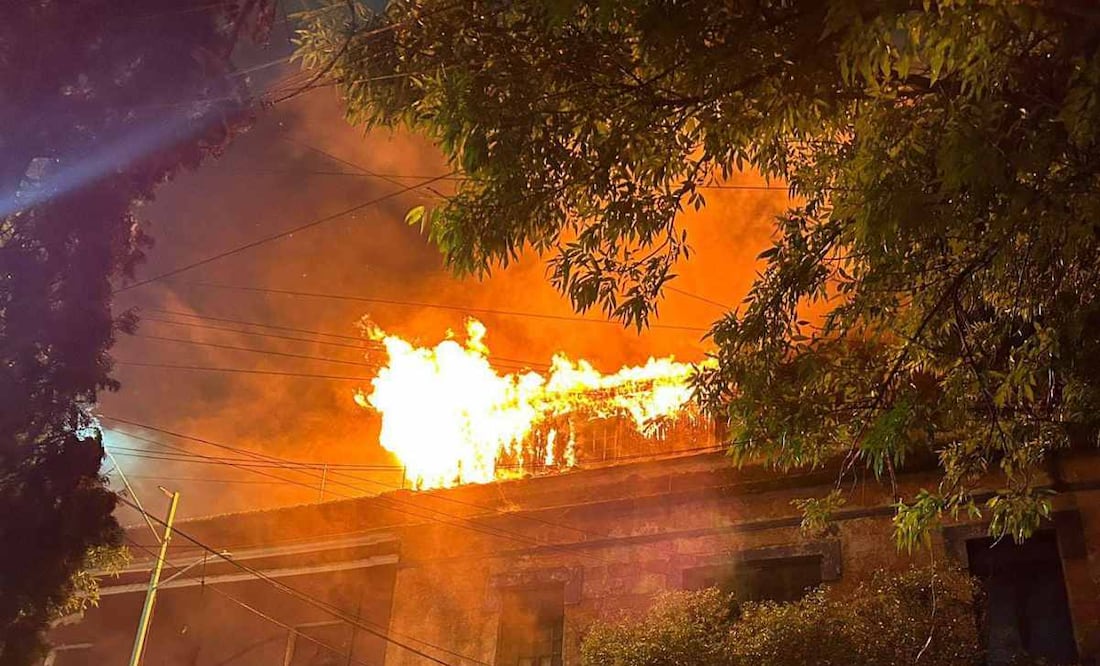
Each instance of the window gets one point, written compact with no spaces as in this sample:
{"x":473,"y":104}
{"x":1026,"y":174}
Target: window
{"x":330,"y":644}
{"x":1026,"y":610}
{"x":771,"y":579}
{"x":531,"y":626}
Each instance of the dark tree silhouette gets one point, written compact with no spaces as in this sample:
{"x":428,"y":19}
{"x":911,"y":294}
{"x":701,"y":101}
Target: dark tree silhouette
{"x":100,"y":101}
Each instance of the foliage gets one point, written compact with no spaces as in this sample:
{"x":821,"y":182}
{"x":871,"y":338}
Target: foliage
{"x":817,"y":513}
{"x":892,"y":620}
{"x":682,"y":629}
{"x":98,"y":561}
{"x":945,"y":158}
{"x":103,"y":100}
{"x":895,"y":619}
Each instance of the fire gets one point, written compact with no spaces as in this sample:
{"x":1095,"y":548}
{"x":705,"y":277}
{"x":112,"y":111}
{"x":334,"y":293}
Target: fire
{"x":451,"y":417}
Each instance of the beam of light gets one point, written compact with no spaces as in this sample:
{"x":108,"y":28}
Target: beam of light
{"x":63,"y":175}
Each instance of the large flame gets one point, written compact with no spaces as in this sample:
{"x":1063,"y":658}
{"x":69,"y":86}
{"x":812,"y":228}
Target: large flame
{"x":451,"y":417}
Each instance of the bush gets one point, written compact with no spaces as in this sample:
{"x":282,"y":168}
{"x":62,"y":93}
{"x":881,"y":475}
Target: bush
{"x":890,"y":620}
{"x":682,"y":629}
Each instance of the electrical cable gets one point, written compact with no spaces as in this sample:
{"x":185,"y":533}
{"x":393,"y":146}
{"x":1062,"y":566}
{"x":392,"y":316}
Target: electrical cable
{"x":703,"y":299}
{"x":187,"y":455}
{"x":272,"y":237}
{"x":253,"y":470}
{"x":215,"y":345}
{"x":307,"y":598}
{"x":362,"y":170}
{"x":432,"y":305}
{"x":468,"y":524}
{"x":342,"y":468}
{"x":241,"y":371}
{"x":244,"y":464}
{"x":200,"y":479}
{"x":360,"y":532}
{"x":387,"y":502}
{"x":459,"y":178}
{"x":213,"y":588}
{"x":368,"y":348}
{"x":364,"y":344}
{"x":224,"y":320}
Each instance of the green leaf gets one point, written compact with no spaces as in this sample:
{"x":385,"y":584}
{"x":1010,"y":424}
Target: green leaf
{"x":415,"y":216}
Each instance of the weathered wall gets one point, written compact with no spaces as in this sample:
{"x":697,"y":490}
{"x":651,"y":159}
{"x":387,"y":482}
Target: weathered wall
{"x":632,"y":537}
{"x":612,"y":537}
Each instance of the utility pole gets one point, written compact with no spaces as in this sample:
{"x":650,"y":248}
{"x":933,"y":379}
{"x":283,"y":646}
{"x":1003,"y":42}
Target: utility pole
{"x":154,"y":581}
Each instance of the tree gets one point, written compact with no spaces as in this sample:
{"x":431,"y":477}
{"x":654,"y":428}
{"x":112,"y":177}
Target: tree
{"x":944,"y":154}
{"x":102,"y":101}
{"x":918,"y":616}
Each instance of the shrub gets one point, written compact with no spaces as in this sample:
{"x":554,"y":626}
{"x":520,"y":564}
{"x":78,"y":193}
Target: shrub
{"x":891,"y":620}
{"x":682,"y":629}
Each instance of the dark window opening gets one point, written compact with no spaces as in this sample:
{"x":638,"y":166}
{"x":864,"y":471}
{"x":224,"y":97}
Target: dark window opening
{"x":1026,"y":609}
{"x":531,"y":626}
{"x":773,"y":579}
{"x":330,"y":644}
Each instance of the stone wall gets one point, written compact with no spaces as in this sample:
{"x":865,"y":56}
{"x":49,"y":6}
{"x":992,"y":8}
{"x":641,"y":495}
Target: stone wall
{"x":631,"y":538}
{"x":612,"y":537}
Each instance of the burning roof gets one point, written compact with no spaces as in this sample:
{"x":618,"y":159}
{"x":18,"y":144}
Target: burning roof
{"x":451,"y":416}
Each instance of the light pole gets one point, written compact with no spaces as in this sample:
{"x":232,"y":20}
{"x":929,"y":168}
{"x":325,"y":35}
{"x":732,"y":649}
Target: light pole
{"x":154,"y":581}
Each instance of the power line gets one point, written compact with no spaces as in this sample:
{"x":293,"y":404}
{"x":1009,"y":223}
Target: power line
{"x":322,"y":172}
{"x":517,"y":366}
{"x":368,"y":347}
{"x":215,"y":460}
{"x":437,"y":306}
{"x":394,"y":504}
{"x":387,"y":502}
{"x":215,"y":345}
{"x":240,"y":463}
{"x":331,"y":609}
{"x":185,"y":456}
{"x":258,"y":612}
{"x":363,"y":346}
{"x":256,"y":454}
{"x":455,"y":178}
{"x":225,"y":320}
{"x":337,"y":468}
{"x":703,"y":299}
{"x":363,"y":170}
{"x":310,"y":375}
{"x":235,"y":449}
{"x":357,"y":532}
{"x":240,"y":371}
{"x":255,"y":611}
{"x":270,"y":238}
{"x":195,"y":458}
{"x":468,"y":524}
{"x":201,"y":479}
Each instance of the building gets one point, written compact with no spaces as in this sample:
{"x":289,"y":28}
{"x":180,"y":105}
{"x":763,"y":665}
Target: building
{"x":514,"y":572}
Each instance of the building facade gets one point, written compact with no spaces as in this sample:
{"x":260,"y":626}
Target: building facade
{"x":515,"y":572}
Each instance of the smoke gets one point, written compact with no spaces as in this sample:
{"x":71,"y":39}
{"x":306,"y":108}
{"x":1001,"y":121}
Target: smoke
{"x":269,"y":181}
